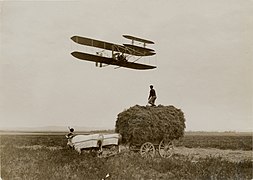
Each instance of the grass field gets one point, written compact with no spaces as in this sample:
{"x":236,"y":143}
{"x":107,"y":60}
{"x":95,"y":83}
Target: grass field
{"x":234,"y":141}
{"x":47,"y":157}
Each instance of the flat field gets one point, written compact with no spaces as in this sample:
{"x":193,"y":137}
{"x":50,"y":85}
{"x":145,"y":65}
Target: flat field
{"x":197,"y":156}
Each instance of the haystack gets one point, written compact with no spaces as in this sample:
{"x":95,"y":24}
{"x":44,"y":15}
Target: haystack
{"x":140,"y":124}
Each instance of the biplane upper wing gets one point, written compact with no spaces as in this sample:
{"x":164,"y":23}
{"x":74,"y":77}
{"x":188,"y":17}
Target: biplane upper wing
{"x":96,"y":43}
{"x":110,"y":46}
{"x":111,"y":61}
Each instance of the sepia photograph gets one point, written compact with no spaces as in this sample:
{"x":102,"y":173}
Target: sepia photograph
{"x":126,"y":90}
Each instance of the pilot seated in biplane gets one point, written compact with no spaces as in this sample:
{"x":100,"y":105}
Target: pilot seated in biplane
{"x":120,"y":57}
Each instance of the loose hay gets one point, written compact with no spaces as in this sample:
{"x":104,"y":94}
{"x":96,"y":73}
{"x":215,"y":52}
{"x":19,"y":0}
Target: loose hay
{"x":140,"y":124}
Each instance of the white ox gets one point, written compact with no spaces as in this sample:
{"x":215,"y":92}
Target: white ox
{"x":93,"y":141}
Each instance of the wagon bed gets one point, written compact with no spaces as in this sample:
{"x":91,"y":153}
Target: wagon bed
{"x":96,"y":142}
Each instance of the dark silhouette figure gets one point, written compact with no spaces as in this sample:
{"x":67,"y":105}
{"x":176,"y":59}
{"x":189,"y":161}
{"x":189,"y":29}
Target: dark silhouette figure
{"x":152,"y":96}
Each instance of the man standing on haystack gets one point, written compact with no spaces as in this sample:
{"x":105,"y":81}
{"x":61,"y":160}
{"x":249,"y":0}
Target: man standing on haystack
{"x":152,"y":96}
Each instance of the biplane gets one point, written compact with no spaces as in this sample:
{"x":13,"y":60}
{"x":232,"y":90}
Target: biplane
{"x":119,"y":55}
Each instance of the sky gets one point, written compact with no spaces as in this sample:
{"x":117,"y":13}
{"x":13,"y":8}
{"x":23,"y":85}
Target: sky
{"x":204,"y":53}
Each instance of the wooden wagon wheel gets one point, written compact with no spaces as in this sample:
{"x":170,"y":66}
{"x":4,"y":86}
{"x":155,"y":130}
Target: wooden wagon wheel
{"x":147,"y":150}
{"x":166,"y":149}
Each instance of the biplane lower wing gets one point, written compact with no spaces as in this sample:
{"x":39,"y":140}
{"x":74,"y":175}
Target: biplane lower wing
{"x":111,"y":61}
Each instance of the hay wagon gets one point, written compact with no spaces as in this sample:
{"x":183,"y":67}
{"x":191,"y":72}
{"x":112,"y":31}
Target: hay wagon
{"x":102,"y":144}
{"x":165,"y":148}
{"x":151,"y":129}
